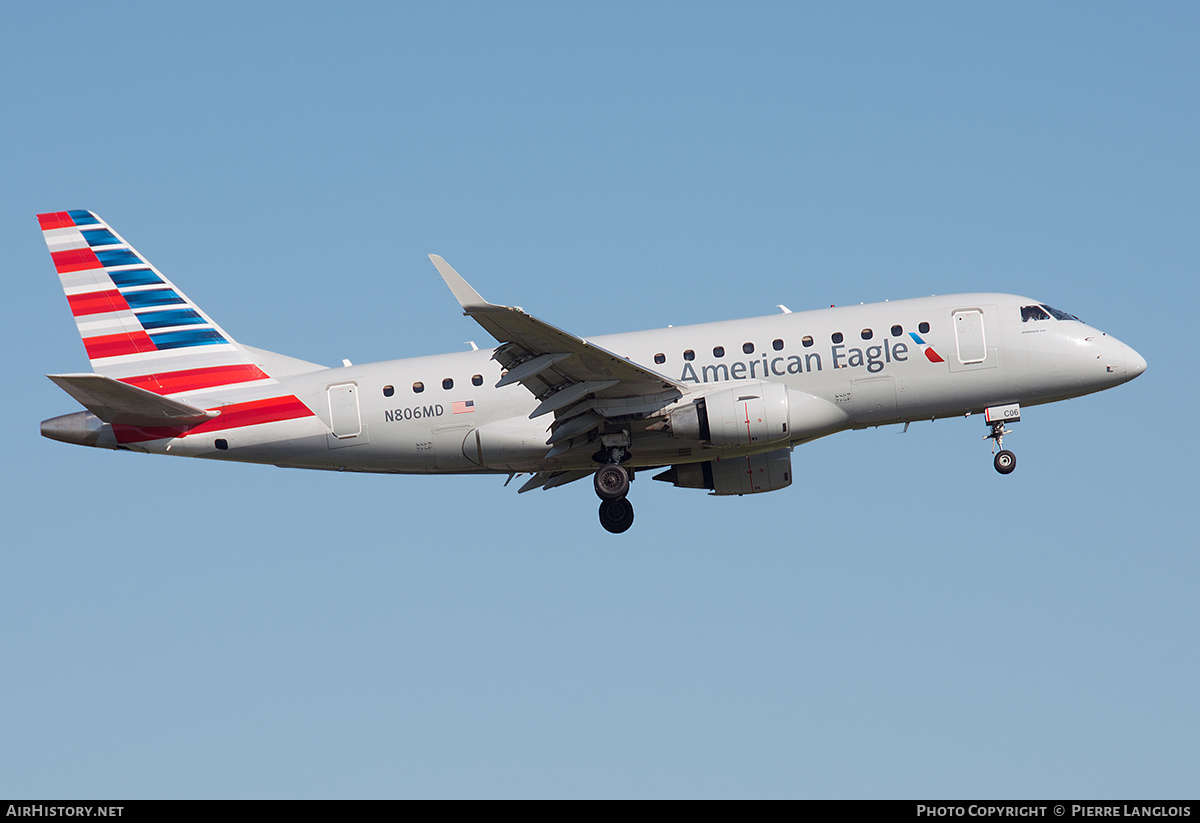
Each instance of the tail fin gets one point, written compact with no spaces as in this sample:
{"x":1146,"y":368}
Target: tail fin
{"x":136,"y":325}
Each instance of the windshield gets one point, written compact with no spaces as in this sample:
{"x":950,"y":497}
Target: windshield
{"x":1059,"y":315}
{"x":1044,"y":312}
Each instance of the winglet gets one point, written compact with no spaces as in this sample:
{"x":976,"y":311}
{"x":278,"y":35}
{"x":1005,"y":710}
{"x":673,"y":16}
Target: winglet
{"x":466,"y":296}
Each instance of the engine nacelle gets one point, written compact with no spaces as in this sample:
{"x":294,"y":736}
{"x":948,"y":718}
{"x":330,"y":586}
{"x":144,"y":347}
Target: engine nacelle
{"x":754,"y":414}
{"x":734,"y":475}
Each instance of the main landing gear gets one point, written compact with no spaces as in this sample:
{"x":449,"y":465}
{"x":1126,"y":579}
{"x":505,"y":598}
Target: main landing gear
{"x":612,"y":484}
{"x":616,"y":516}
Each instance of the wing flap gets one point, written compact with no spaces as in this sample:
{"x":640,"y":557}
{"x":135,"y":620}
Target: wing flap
{"x":553,"y":479}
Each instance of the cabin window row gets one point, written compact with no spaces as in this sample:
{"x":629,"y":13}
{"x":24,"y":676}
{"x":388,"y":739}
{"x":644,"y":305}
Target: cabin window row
{"x":447,"y":384}
{"x":806,"y":341}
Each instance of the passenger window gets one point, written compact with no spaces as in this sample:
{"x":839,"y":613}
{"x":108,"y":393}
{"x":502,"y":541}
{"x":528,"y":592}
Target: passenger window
{"x":897,"y":331}
{"x":806,"y":341}
{"x":388,"y":391}
{"x":867,"y":334}
{"x":477,"y":380}
{"x":718,"y":351}
{"x":923,"y":328}
{"x":689,"y":355}
{"x":837,"y":337}
{"x":418,"y":387}
{"x":447,"y":384}
{"x":660,"y":358}
{"x":777,"y":345}
{"x":748,"y":348}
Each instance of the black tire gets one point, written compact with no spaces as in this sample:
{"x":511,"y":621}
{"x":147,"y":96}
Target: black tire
{"x":616,"y":516}
{"x":1005,"y":461}
{"x":611,"y":481}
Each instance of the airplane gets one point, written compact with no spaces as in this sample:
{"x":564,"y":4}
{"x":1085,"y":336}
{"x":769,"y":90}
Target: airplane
{"x":716,"y":406}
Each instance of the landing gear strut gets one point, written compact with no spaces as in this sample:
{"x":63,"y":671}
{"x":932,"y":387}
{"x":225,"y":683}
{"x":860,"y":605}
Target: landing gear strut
{"x":612,"y":484}
{"x":1004,"y":461}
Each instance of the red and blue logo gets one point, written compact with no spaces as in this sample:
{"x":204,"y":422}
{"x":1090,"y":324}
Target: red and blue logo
{"x":930,"y":355}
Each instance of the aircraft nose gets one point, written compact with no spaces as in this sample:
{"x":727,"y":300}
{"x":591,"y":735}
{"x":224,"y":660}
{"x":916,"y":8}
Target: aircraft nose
{"x":1135,"y":364}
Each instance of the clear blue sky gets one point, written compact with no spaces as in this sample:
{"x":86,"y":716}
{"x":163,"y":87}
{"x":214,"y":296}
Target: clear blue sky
{"x":901,"y":622}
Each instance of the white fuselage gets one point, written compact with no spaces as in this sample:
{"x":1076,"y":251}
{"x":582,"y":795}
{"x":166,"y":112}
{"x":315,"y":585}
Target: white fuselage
{"x":443,"y":414}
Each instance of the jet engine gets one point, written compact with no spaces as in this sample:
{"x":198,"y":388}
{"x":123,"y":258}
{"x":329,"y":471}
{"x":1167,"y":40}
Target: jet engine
{"x":734,"y":475}
{"x":754,"y":414}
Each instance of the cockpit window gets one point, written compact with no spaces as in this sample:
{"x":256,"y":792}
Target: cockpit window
{"x":1033,"y":313}
{"x":1059,"y":315}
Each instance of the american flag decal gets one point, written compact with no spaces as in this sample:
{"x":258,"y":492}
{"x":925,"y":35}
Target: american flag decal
{"x":462,"y":406}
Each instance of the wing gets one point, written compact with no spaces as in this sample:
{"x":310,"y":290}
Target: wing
{"x":584,"y":385}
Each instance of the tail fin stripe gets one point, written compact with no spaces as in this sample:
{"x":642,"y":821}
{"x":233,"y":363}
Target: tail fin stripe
{"x":74,"y":260}
{"x":97,"y":302}
{"x":101,"y":237}
{"x":77,"y":282}
{"x":128,"y":278}
{"x":55,"y":220}
{"x":99,"y":325}
{"x":233,"y":416}
{"x":170,"y":317}
{"x":118,"y":257}
{"x":195,"y":379}
{"x":113,"y":345}
{"x":152,"y":298}
{"x":187,"y":337}
{"x":83,"y":217}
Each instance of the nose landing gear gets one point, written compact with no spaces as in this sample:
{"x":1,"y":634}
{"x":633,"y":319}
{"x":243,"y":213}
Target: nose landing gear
{"x":1004,"y":460}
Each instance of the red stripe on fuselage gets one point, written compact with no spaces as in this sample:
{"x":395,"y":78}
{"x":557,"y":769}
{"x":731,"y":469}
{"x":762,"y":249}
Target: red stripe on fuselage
{"x":191,"y":379}
{"x":97,"y":302}
{"x":74,"y":260}
{"x":55,"y":220}
{"x":233,"y":416}
{"x":112,"y":345}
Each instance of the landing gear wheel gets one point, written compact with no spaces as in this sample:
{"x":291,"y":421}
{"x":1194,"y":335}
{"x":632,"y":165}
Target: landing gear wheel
{"x":616,"y":516}
{"x":612,"y":483}
{"x":1005,"y":461}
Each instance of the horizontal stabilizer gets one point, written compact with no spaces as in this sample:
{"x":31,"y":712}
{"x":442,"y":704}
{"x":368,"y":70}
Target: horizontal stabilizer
{"x":116,"y":402}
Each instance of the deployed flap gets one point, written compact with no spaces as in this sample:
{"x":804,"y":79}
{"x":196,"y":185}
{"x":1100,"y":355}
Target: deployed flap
{"x":116,"y":402}
{"x":527,"y":338}
{"x":550,"y":480}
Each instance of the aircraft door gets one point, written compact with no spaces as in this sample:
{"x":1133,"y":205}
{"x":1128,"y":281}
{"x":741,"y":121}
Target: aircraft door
{"x":968,"y":334}
{"x":344,"y":417}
